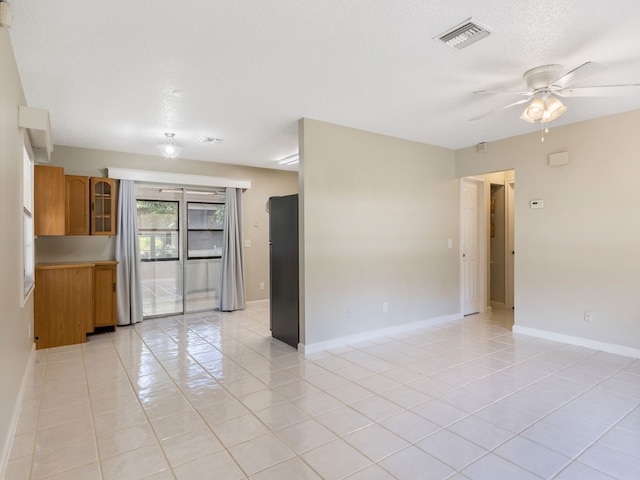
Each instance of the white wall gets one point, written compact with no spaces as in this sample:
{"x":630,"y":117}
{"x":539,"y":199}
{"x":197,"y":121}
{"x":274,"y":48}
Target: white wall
{"x":376,"y":215}
{"x":265,"y":183}
{"x":581,"y":251}
{"x":15,"y":322}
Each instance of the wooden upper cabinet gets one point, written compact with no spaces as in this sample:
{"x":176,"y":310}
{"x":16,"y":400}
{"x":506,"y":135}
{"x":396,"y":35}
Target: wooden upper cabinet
{"x":77,"y":205}
{"x":49,"y":200}
{"x":103,"y":206}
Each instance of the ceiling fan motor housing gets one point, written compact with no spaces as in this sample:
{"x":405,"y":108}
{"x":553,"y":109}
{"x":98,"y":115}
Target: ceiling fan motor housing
{"x":541,"y":78}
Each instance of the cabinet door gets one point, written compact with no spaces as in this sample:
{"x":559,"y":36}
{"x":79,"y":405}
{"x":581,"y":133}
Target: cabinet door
{"x":104,"y":313}
{"x":48,"y":199}
{"x":103,"y":206}
{"x":63,"y":305}
{"x":76,"y":205}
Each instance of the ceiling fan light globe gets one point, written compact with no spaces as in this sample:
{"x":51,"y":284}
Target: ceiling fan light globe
{"x":526,"y":117}
{"x":554,"y":108}
{"x":533,"y":111}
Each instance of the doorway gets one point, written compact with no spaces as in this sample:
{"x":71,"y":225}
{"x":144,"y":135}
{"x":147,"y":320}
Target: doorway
{"x":487,"y":247}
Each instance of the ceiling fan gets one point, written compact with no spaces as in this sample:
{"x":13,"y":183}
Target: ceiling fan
{"x":546,"y":85}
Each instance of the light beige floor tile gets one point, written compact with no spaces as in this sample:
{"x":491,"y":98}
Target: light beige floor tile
{"x":373,"y":472}
{"x":260,"y":453}
{"x":223,"y":372}
{"x":68,"y":432}
{"x":134,"y":464}
{"x":451,"y":449}
{"x":239,"y":430}
{"x":219,"y":465}
{"x":305,"y":436}
{"x":18,"y":468}
{"x":190,"y":446}
{"x":126,"y":439}
{"x":86,"y":472}
{"x":64,"y":457}
{"x":414,"y":463}
{"x":344,"y":420}
{"x":281,"y":415}
{"x":23,"y":445}
{"x":289,"y":469}
{"x":336,"y":460}
{"x":118,"y":419}
{"x":178,"y":424}
{"x":410,"y":426}
{"x":376,"y":442}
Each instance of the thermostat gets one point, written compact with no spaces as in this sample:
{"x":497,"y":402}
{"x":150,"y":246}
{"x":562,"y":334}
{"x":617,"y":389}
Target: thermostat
{"x":536,"y":204}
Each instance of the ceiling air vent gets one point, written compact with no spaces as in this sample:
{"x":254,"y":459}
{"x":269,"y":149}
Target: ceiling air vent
{"x":465,"y":34}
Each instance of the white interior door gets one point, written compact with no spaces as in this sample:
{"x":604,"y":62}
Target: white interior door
{"x":510,"y":215}
{"x":469,"y":244}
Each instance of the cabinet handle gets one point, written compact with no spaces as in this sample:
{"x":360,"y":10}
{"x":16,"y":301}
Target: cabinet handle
{"x":114,"y":288}
{"x":93,"y":206}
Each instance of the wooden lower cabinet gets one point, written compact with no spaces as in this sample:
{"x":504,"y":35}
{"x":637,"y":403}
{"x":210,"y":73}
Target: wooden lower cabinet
{"x":71,"y":300}
{"x":63,"y":310}
{"x":104,"y":301}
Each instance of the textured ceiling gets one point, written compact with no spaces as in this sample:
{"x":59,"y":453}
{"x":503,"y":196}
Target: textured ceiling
{"x":247,"y":70}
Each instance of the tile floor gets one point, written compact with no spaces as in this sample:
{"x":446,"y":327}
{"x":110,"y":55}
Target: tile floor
{"x":212,"y":396}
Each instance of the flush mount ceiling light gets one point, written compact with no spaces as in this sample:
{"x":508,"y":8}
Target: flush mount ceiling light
{"x":169,"y":148}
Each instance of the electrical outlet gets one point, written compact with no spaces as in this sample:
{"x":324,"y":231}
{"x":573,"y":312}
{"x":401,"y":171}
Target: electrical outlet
{"x":588,"y":316}
{"x":261,"y":285}
{"x":385,"y":307}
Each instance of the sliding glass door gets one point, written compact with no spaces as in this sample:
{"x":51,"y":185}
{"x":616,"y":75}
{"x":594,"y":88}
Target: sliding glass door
{"x":180,"y":235}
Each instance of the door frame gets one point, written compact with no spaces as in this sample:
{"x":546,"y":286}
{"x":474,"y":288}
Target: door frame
{"x":510,"y":242}
{"x":481,"y":240}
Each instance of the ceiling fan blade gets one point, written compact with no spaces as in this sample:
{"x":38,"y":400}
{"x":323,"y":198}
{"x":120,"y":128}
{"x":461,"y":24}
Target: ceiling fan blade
{"x":501,"y":92}
{"x":486,"y":114}
{"x":583,"y":71}
{"x":601,"y":91}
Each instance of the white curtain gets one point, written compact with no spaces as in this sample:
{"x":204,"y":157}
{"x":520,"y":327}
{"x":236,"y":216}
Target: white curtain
{"x":129,"y":291}
{"x":232,"y":288}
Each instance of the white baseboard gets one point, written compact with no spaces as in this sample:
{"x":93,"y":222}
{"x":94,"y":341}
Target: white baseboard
{"x":8,"y":441}
{"x":498,"y":305}
{"x":579,"y":341}
{"x":257,"y":302}
{"x":305,"y":349}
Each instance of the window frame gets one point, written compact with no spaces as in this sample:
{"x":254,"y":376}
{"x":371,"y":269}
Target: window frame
{"x":152,"y":231}
{"x":28,"y":277}
{"x":204,"y":257}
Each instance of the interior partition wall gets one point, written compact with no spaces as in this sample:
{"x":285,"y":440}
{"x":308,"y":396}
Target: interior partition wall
{"x":180,"y":236}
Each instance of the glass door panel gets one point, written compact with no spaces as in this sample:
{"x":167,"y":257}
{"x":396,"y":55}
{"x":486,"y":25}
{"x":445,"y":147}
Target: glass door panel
{"x":203,"y":284}
{"x":161,"y":267}
{"x":203,"y":273}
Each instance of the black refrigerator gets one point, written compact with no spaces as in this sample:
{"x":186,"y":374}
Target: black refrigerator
{"x":283,"y":268}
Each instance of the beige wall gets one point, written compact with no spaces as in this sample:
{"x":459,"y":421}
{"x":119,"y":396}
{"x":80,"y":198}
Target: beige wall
{"x":581,"y":251}
{"x":15,"y":322}
{"x":377,"y":214}
{"x":265,"y":183}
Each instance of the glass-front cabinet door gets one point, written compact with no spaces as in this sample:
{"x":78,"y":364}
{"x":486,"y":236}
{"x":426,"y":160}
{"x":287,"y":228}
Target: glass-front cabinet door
{"x":103,"y":206}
